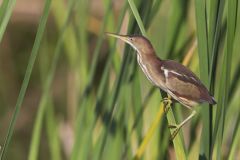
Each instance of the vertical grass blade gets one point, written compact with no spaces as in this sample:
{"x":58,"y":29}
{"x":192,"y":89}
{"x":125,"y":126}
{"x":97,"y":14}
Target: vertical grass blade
{"x":225,"y":76}
{"x":201,"y":23}
{"x":98,"y":47}
{"x":150,"y":133}
{"x":235,"y":140}
{"x":5,"y":14}
{"x":83,"y":40}
{"x":214,"y":37}
{"x":26,"y":79}
{"x":70,"y":43}
{"x":215,"y":26}
{"x":52,"y":131}
{"x":177,"y":16}
{"x":35,"y":141}
{"x":178,"y":140}
{"x":137,"y":17}
{"x":213,"y":14}
{"x":84,"y":100}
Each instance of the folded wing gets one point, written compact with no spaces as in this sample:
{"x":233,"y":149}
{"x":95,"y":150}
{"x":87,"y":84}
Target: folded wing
{"x":184,"y":83}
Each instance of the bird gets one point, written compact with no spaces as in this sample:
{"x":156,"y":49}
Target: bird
{"x":179,"y":82}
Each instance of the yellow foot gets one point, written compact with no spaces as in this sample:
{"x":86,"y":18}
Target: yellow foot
{"x":167,"y":104}
{"x":175,"y":128}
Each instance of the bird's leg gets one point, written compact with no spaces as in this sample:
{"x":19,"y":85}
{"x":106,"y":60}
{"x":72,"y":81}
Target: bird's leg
{"x":179,"y":126}
{"x":167,"y":102}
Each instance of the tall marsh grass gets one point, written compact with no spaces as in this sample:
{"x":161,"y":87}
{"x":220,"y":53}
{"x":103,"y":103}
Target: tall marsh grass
{"x":93,"y":100}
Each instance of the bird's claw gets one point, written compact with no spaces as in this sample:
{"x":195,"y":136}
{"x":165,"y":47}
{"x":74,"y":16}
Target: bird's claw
{"x":167,"y":104}
{"x":175,"y":128}
{"x":174,"y":133}
{"x":167,"y":101}
{"x":166,"y":108}
{"x":172,"y":126}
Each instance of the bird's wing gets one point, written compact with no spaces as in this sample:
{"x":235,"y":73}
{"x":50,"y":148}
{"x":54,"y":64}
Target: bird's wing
{"x":184,"y":83}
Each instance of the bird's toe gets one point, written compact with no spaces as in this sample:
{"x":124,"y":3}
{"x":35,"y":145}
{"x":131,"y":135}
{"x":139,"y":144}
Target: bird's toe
{"x":174,"y":133}
{"x":172,"y":126}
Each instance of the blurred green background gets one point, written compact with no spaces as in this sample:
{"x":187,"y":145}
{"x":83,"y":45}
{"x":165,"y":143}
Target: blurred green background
{"x":69,"y":92}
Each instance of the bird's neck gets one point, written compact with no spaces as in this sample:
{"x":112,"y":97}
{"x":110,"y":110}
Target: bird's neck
{"x":147,"y":57}
{"x":148,"y":61}
{"x":148,"y":65}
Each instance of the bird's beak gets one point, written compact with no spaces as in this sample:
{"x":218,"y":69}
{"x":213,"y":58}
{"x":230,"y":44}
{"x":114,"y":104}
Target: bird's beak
{"x":122,"y":37}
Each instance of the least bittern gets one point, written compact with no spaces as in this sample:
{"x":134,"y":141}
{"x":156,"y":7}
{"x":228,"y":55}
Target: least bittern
{"x":172,"y":77}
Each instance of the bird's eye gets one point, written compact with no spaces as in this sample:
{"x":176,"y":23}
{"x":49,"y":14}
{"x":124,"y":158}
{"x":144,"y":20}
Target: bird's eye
{"x":131,"y":39}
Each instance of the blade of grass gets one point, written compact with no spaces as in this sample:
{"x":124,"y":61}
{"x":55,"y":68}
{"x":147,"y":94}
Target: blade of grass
{"x":86,"y":97}
{"x":221,"y":105}
{"x":3,"y":7}
{"x":135,"y":87}
{"x":201,"y":23}
{"x":5,"y":14}
{"x":33,"y":153}
{"x":101,"y":94}
{"x":177,"y":16}
{"x":35,"y":140}
{"x":235,"y":140}
{"x":155,"y":8}
{"x":226,"y":70}
{"x":137,"y":17}
{"x":26,"y":79}
{"x":150,"y":133}
{"x":70,"y":43}
{"x":83,"y":145}
{"x":178,"y":140}
{"x":83,"y":140}
{"x":113,"y":99}
{"x":96,"y":52}
{"x":236,"y":75}
{"x":215,"y":21}
{"x":235,"y":81}
{"x":212,"y":25}
{"x":215,"y":25}
{"x":114,"y":94}
{"x":75,"y":42}
{"x":83,"y":40}
{"x":92,"y":71}
{"x":52,"y":132}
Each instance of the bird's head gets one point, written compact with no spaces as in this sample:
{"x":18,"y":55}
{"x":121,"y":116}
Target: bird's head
{"x":141,"y":44}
